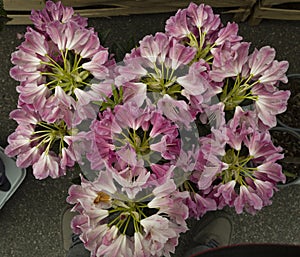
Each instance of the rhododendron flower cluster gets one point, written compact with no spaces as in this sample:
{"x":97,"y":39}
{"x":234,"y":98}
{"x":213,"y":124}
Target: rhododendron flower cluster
{"x":180,"y":127}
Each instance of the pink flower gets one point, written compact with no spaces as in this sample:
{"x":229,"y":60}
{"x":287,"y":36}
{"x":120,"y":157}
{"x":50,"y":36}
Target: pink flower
{"x":160,"y":173}
{"x":28,"y":75}
{"x":132,"y":182}
{"x":228,"y":33}
{"x":97,"y":65}
{"x":120,"y":247}
{"x":167,"y":200}
{"x":246,"y":199}
{"x":269,"y":103}
{"x":18,"y":141}
{"x":213,"y":115}
{"x":198,"y":205}
{"x":180,"y":55}
{"x":24,"y":116}
{"x":34,"y":94}
{"x":261,"y":146}
{"x":202,"y":17}
{"x":209,"y":163}
{"x":28,"y":157}
{"x":176,"y":111}
{"x":134,"y":92}
{"x":177,"y":25}
{"x":141,"y":246}
{"x":91,"y":47}
{"x":229,"y":62}
{"x":261,"y":60}
{"x":67,"y":35}
{"x":264,"y":190}
{"x":194,"y":83}
{"x":241,"y":125}
{"x":34,"y":43}
{"x":158,"y":230}
{"x":155,"y":48}
{"x":225,"y":193}
{"x":47,"y":165}
{"x":275,"y":73}
{"x":270,"y":171}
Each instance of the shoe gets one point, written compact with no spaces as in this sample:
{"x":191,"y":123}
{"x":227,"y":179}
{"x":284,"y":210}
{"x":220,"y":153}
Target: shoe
{"x":4,"y":182}
{"x":213,"y":230}
{"x":68,"y":237}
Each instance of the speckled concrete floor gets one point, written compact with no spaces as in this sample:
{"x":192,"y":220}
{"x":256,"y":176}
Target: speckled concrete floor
{"x":30,"y":220}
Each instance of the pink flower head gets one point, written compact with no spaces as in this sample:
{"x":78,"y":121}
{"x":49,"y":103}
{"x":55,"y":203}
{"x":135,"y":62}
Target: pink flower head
{"x":155,"y":64}
{"x":55,"y":71}
{"x":246,"y":172}
{"x":196,"y":26}
{"x":192,"y":20}
{"x":130,"y":133}
{"x":34,"y":143}
{"x":130,"y":225}
{"x":203,"y":18}
{"x":55,"y":12}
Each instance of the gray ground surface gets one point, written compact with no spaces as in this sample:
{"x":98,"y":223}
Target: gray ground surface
{"x":30,"y":220}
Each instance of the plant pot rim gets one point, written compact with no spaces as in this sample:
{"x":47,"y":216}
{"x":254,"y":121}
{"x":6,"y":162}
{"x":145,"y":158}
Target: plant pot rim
{"x":295,"y":133}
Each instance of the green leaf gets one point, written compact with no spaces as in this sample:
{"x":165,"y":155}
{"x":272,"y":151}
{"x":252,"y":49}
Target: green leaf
{"x":115,"y":99}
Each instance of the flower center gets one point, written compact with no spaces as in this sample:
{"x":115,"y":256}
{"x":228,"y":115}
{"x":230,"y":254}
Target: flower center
{"x":203,"y":51}
{"x":66,"y":72}
{"x":126,"y":216}
{"x":102,"y":197}
{"x":50,"y":136}
{"x":239,"y":167}
{"x":161,"y":79}
{"x":140,"y":141}
{"x":237,"y":93}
